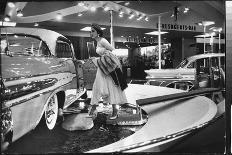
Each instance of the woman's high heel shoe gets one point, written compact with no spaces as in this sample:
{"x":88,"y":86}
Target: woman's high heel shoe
{"x":115,"y":114}
{"x":113,"y":117}
{"x":92,"y":112}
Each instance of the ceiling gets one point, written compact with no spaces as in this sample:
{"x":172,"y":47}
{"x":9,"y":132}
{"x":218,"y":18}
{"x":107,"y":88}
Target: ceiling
{"x":44,"y":13}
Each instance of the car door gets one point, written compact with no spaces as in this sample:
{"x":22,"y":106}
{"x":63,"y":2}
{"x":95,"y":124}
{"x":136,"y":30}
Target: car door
{"x":65,"y":54}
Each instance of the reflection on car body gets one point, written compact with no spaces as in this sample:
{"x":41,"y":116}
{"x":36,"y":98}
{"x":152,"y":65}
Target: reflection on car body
{"x":40,"y":74}
{"x":203,"y":70}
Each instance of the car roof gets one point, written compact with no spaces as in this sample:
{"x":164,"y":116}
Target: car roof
{"x":207,"y":55}
{"x":48,"y":36}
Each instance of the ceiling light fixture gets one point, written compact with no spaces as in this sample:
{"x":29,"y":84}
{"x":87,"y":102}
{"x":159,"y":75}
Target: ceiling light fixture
{"x":216,"y":29}
{"x":92,"y":9}
{"x":19,"y":13}
{"x":146,"y":19}
{"x":59,"y":16}
{"x":88,"y":28}
{"x":79,"y":14}
{"x":106,"y":8}
{"x":7,"y":18}
{"x":81,"y":4}
{"x":155,"y":33}
{"x":206,"y":23}
{"x":140,"y":17}
{"x":186,"y":10}
{"x":36,"y":24}
{"x":131,"y":15}
{"x":11,"y":5}
{"x":127,"y":3}
{"x":7,"y":23}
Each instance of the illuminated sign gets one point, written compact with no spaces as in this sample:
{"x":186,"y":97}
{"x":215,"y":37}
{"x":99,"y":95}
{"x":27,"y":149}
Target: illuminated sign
{"x":176,"y":27}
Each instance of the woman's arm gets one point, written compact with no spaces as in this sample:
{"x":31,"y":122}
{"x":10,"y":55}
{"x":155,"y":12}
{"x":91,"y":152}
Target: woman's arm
{"x":106,"y":44}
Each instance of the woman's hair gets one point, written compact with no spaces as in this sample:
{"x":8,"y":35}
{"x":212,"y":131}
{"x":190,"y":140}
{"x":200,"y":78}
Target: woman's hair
{"x":98,"y":29}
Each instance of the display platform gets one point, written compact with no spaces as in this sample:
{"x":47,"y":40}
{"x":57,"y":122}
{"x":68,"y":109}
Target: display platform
{"x":164,"y":118}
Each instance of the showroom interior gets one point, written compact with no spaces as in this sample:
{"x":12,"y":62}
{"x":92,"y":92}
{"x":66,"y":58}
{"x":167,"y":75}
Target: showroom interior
{"x":146,"y":35}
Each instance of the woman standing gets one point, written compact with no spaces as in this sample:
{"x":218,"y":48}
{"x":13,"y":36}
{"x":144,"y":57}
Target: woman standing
{"x":109,"y":82}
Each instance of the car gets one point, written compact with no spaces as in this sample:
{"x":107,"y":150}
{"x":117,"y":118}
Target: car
{"x":194,"y":72}
{"x":40,"y":76}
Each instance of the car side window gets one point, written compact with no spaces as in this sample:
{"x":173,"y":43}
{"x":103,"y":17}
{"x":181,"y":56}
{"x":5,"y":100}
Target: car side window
{"x":191,"y":65}
{"x":19,"y":44}
{"x":63,"y":49}
{"x":203,"y":65}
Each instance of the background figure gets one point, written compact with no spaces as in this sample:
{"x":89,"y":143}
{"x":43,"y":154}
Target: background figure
{"x":109,"y":82}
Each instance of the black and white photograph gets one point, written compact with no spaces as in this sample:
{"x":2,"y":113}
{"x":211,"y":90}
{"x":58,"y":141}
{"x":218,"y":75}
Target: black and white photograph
{"x":116,"y":76}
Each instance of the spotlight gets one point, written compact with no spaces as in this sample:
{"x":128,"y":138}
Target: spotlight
{"x":19,"y":13}
{"x":127,"y":3}
{"x":11,"y":5}
{"x":106,"y":8}
{"x":92,"y":9}
{"x":7,"y":18}
{"x":81,"y":4}
{"x":131,"y":15}
{"x":146,"y":18}
{"x":140,"y":17}
{"x":79,"y":14}
{"x":59,"y":16}
{"x":186,"y":10}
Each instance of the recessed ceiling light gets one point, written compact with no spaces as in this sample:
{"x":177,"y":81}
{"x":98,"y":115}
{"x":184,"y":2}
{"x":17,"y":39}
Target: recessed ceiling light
{"x":88,"y":28}
{"x":155,"y":33}
{"x":131,"y":16}
{"x":106,"y":8}
{"x":127,"y":3}
{"x":79,"y":14}
{"x":11,"y":5}
{"x":59,"y":16}
{"x":81,"y":4}
{"x":7,"y":18}
{"x":92,"y":9}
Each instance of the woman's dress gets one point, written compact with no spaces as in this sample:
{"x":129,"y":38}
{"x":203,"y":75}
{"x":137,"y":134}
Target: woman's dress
{"x":104,"y":86}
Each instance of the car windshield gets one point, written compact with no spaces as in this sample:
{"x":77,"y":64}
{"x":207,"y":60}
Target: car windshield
{"x":182,"y":64}
{"x":18,"y":44}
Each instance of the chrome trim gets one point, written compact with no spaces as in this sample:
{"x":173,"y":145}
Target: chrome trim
{"x":63,"y":79}
{"x":167,"y":137}
{"x":26,"y":88}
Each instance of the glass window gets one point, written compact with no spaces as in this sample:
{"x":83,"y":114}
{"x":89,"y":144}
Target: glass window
{"x":222,"y":59}
{"x":191,"y":65}
{"x":63,"y":49}
{"x":203,"y":65}
{"x":183,"y":63}
{"x":18,"y":44}
{"x":215,"y":62}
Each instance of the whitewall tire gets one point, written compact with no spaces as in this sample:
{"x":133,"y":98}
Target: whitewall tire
{"x":51,"y":112}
